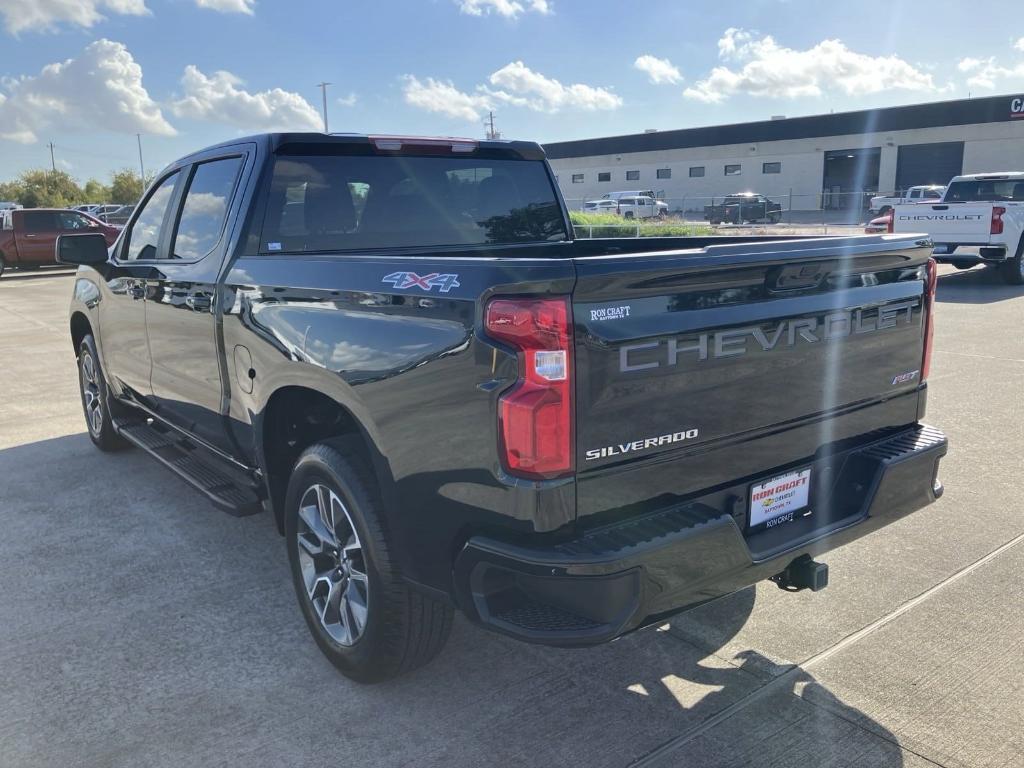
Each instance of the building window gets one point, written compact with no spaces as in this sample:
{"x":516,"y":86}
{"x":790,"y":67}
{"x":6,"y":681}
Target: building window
{"x":771,"y":168}
{"x":733,"y":170}
{"x":632,"y":175}
{"x":577,"y":178}
{"x":606,"y":176}
{"x":696,"y":171}
{"x":664,"y":173}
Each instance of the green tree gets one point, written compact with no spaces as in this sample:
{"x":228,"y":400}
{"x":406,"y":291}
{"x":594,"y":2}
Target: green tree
{"x":126,"y":187}
{"x":95,"y":192}
{"x":47,"y":189}
{"x":11,"y":191}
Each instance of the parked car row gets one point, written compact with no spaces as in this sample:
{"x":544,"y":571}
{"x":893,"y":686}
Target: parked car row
{"x":107,"y":213}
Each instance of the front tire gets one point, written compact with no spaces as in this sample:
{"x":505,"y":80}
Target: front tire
{"x":95,"y":402}
{"x":362,"y":614}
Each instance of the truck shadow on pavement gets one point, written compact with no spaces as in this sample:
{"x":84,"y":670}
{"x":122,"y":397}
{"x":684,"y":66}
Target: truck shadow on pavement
{"x":141,"y":626}
{"x":980,"y":285}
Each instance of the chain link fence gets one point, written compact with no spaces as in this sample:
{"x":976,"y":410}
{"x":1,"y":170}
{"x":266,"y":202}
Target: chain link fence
{"x":817,"y":211}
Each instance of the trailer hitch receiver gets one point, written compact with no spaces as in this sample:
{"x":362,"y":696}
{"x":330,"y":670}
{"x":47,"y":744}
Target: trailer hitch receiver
{"x":803,"y":573}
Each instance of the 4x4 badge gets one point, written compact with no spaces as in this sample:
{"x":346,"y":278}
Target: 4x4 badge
{"x":402,"y":280}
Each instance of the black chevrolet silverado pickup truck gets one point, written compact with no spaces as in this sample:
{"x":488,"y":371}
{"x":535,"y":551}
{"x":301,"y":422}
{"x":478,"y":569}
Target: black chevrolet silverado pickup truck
{"x":395,"y":347}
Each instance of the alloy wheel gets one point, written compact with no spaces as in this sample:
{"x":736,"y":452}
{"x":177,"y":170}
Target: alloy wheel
{"x":333,"y":565}
{"x":91,"y":395}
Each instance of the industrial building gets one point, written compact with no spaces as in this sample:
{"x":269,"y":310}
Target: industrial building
{"x":821,"y":162}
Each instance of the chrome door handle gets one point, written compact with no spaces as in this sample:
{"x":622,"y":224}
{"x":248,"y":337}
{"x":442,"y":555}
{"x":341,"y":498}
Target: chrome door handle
{"x":137,"y":291}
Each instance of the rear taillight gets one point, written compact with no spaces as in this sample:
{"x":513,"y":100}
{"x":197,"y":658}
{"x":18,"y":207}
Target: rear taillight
{"x":889,"y":221}
{"x":535,"y":416}
{"x":930,"y":282}
{"x":997,"y":220}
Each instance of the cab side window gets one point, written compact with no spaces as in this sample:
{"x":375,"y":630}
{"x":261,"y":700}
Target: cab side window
{"x":38,"y":221}
{"x":144,"y":238}
{"x":206,"y":208}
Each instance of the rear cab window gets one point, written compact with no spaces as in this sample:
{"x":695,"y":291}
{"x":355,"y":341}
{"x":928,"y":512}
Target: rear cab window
{"x":338,"y":201}
{"x":985,"y":190}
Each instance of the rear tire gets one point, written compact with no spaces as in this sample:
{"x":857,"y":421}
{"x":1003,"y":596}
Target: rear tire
{"x":362,"y":614}
{"x":964,"y":264}
{"x":1012,"y":270}
{"x":95,"y":399}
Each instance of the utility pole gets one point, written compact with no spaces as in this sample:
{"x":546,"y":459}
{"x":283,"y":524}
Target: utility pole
{"x":491,"y":134}
{"x":323,"y":91}
{"x":142,"y":168}
{"x":53,"y":163}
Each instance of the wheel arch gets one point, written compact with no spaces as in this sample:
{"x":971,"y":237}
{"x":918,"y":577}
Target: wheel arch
{"x":80,"y":328}
{"x":296,"y":416}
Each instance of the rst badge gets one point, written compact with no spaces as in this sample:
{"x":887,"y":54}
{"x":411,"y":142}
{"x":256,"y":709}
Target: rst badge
{"x":403,"y":280}
{"x":905,"y":378}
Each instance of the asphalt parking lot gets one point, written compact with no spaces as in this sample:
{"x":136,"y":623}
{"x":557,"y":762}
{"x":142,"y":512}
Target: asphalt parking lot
{"x":141,"y":627}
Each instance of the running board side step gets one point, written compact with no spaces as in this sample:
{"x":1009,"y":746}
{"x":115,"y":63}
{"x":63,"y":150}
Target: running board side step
{"x":226,"y":488}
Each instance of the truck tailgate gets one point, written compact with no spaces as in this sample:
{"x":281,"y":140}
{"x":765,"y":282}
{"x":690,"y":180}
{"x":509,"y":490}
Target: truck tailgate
{"x":698,"y":368}
{"x":946,"y":222}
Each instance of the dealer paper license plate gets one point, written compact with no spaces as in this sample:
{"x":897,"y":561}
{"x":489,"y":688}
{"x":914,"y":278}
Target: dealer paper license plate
{"x":774,"y":501}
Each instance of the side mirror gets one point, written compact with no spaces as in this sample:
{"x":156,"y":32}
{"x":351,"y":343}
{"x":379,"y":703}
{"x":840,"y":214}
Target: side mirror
{"x":89,"y":248}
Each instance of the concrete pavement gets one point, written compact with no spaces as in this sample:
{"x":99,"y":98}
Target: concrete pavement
{"x":139,"y":626}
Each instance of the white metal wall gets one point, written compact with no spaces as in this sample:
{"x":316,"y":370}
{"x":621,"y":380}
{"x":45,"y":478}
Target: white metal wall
{"x":988,"y":147}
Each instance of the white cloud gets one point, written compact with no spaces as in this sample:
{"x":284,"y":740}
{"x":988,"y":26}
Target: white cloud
{"x":765,"y":68}
{"x":19,"y":15}
{"x":514,"y":84}
{"x":348,"y":101}
{"x":658,"y":70}
{"x":100,"y":89}
{"x":985,"y":73}
{"x":1019,"y":45}
{"x":508,"y":8}
{"x":519,"y":85}
{"x":218,"y":98}
{"x":970,"y":64}
{"x":443,"y":97}
{"x":228,"y":6}
{"x":732,"y":41}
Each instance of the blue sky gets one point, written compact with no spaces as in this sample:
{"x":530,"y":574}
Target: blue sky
{"x":187,"y":73}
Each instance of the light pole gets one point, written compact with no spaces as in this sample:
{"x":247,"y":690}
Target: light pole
{"x":142,"y":168}
{"x":323,"y":91}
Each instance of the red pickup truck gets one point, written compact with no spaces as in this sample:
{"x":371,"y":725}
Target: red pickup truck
{"x":28,"y":236}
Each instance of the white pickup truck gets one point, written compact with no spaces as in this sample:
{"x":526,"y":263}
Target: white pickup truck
{"x":979,"y":220}
{"x":641,"y":207}
{"x":881,"y":204}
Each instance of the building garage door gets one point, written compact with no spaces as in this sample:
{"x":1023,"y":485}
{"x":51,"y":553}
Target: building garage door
{"x":929,"y":163}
